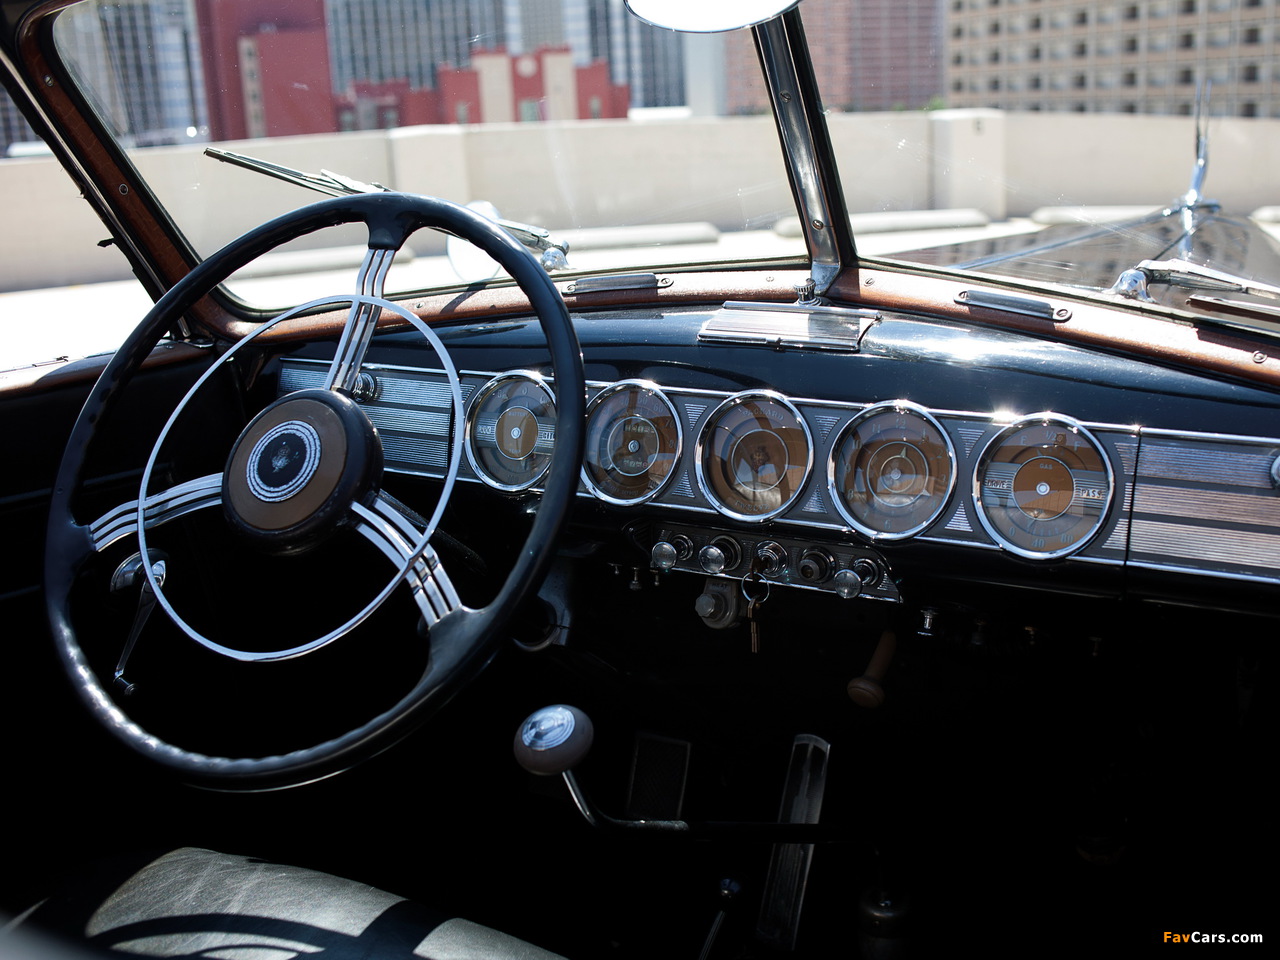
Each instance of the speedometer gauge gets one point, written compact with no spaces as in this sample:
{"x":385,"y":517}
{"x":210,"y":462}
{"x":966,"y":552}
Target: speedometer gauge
{"x":892,"y":470}
{"x":511,"y":431}
{"x":633,"y":442}
{"x":754,"y":456}
{"x":1042,"y":486}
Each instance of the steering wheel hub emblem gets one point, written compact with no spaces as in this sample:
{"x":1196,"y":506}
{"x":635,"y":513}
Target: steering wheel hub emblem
{"x":297,"y":469}
{"x":283,"y":461}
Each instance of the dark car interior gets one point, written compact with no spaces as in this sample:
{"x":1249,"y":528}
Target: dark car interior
{"x":797,"y":730}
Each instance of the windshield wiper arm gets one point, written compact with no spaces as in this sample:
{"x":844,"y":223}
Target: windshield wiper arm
{"x":554,"y":252}
{"x":1132,"y":284}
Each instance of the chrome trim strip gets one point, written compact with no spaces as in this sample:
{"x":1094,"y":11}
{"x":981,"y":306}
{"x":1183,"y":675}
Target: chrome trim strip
{"x":1204,"y":504}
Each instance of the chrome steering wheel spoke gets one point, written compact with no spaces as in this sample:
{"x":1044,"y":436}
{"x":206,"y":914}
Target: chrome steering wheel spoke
{"x":362,"y":320}
{"x":159,"y":508}
{"x":405,"y":545}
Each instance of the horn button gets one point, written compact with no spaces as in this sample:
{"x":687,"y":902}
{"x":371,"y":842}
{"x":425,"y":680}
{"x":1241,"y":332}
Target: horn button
{"x":297,"y":468}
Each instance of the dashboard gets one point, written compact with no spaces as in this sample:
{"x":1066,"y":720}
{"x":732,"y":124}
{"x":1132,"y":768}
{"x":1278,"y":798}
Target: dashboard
{"x":852,"y":452}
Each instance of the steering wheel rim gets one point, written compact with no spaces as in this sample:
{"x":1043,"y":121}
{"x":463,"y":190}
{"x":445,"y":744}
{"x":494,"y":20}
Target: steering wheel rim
{"x":464,"y":640}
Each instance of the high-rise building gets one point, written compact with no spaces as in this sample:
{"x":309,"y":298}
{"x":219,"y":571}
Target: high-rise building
{"x":870,"y":55}
{"x":1114,"y":56}
{"x":142,"y":58}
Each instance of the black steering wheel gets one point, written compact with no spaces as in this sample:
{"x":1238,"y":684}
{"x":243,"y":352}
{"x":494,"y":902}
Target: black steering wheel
{"x":307,"y":465}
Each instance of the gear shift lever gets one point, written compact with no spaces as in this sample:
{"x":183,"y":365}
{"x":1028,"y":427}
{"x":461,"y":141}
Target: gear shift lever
{"x":553,"y":740}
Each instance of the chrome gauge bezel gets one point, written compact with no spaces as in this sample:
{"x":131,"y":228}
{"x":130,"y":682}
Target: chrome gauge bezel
{"x":705,"y":445}
{"x":1081,"y":536}
{"x":473,"y":411}
{"x":911,"y":410}
{"x":654,"y":392}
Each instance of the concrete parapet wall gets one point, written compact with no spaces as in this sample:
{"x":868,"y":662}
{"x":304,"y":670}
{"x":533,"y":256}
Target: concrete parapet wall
{"x":723,"y":171}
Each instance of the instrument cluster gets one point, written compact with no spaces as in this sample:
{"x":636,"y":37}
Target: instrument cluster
{"x":818,"y":476}
{"x":1040,"y":486}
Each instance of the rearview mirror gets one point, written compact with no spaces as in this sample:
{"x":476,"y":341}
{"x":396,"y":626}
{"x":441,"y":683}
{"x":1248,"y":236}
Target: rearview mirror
{"x":708,"y":16}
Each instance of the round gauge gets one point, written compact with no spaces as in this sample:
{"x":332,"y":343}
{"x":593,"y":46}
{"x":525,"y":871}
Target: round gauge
{"x":892,"y":470}
{"x":754,"y":456}
{"x":511,"y":431}
{"x":1042,"y":486}
{"x":633,"y":442}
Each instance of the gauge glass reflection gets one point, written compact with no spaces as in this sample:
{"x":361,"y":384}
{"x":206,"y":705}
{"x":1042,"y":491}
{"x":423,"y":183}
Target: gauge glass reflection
{"x":892,"y":470}
{"x":1042,"y":487}
{"x":754,"y":456}
{"x":633,"y":442}
{"x":511,"y":431}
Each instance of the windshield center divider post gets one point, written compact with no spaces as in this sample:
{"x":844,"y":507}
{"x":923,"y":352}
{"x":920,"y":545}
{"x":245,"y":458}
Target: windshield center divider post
{"x":806,"y":145}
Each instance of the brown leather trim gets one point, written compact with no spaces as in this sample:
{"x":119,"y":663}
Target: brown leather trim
{"x":54,"y":375}
{"x":1126,"y":329}
{"x":493,"y":302}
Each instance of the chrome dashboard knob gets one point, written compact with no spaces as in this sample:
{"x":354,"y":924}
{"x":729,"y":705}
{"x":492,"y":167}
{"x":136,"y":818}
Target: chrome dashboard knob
{"x":847,"y":583}
{"x":712,"y":559}
{"x":663,"y":556}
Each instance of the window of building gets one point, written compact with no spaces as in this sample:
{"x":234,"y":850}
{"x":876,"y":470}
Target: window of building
{"x":1034,"y":82}
{"x":1034,"y":53}
{"x":1184,"y":109}
{"x":1034,"y":23}
{"x":993,"y":56}
{"x":1186,"y":75}
{"x":1248,"y":109}
{"x":1252,"y":35}
{"x":993,"y":83}
{"x":1129,"y":78}
{"x":1130,"y":44}
{"x":1128,"y":108}
{"x":1080,"y":107}
{"x":1081,"y":49}
{"x":1131,"y":12}
{"x":1079,"y":81}
{"x":957,"y":86}
{"x":957,"y":59}
{"x":1187,"y":6}
{"x":993,"y":27}
{"x":1187,"y":41}
{"x":1249,"y":73}
{"x":1082,"y":18}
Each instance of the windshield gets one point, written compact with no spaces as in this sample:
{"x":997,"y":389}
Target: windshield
{"x":1044,"y":141}
{"x":572,"y":117}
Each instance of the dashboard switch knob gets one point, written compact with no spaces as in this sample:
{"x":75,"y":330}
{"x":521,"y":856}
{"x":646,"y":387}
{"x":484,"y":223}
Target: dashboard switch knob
{"x":720,"y":555}
{"x":663,"y":556}
{"x":848,"y":584}
{"x":712,"y":559}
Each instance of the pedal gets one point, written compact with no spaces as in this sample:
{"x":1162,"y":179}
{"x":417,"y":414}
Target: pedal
{"x":659,"y":772}
{"x":779,"y":921}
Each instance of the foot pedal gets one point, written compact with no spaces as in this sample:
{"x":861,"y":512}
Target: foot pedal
{"x":789,"y":864}
{"x":659,"y":770}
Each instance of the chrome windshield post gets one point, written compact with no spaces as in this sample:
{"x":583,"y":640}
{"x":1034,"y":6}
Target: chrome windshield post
{"x":806,"y":145}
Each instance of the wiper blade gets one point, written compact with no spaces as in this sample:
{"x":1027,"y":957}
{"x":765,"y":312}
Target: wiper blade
{"x":1132,"y":284}
{"x":554,"y":252}
{"x":326,"y":182}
